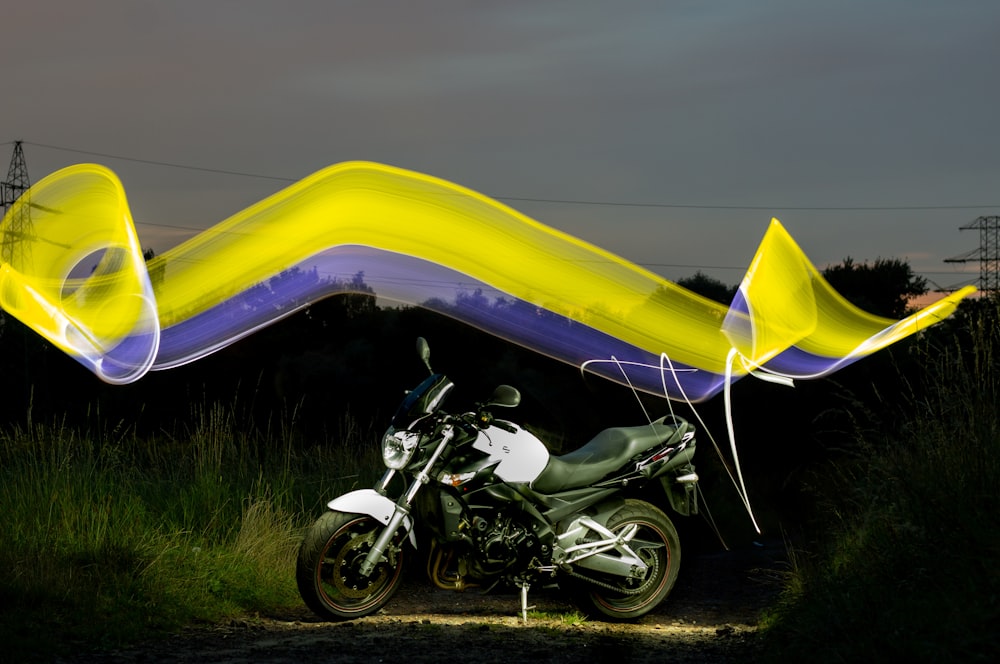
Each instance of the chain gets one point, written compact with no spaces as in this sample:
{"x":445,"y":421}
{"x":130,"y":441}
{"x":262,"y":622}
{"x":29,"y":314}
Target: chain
{"x":654,"y":568}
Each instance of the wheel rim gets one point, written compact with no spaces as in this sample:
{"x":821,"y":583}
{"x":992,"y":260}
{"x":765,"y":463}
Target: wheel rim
{"x":338,"y":581}
{"x":657,"y":559}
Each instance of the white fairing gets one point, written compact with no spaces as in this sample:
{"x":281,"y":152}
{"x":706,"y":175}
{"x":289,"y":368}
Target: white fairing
{"x":372,"y":503}
{"x":522,"y":456}
{"x":365,"y":501}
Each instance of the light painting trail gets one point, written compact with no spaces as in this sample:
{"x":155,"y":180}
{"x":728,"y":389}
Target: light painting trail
{"x":79,"y":279}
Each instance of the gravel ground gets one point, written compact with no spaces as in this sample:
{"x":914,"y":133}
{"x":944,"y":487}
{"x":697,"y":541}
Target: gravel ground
{"x":711,"y":616}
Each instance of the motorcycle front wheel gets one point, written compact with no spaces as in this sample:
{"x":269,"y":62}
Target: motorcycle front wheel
{"x":657,"y":545}
{"x":328,"y":563}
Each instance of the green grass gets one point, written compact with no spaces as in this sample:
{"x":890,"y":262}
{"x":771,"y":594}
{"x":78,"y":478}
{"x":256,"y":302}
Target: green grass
{"x":567,"y":618}
{"x":108,"y":538}
{"x":905,"y":565}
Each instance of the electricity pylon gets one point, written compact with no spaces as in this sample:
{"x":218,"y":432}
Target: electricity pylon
{"x":19,"y":224}
{"x":988,"y":254}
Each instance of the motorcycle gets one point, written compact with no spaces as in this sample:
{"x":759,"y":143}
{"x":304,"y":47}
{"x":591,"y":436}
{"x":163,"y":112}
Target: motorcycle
{"x":489,"y":506}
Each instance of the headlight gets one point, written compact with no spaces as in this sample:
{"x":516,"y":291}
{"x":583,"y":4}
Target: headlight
{"x":398,"y":447}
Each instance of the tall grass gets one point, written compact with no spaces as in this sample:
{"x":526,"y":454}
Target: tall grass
{"x":906,"y":568}
{"x":107,"y":538}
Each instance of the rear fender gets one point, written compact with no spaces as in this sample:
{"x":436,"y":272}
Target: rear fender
{"x":373,"y":504}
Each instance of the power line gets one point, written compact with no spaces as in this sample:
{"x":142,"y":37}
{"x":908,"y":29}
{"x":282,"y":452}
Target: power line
{"x":553,"y":201}
{"x":797,"y":208}
{"x":154,"y":162}
{"x":220,"y":171}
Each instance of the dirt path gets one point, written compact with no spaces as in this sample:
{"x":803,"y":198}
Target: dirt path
{"x":711,"y":616}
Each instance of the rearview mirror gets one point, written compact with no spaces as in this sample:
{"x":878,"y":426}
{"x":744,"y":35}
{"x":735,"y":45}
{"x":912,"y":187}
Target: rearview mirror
{"x":424,"y":351}
{"x":505,"y":396}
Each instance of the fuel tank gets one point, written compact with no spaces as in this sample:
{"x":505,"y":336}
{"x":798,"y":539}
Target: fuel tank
{"x":522,"y":456}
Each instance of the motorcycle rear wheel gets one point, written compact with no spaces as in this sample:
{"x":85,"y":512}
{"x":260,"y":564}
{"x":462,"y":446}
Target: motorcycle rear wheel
{"x":328,"y":561}
{"x":619,"y":599}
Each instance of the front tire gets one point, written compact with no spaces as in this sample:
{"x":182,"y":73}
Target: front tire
{"x":327,"y":567}
{"x":621,"y":599}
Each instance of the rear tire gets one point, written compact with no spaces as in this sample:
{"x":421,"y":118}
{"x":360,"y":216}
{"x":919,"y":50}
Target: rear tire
{"x":327,"y":567}
{"x":636,"y":597}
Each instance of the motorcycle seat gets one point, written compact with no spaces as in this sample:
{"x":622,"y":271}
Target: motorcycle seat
{"x":605,"y":453}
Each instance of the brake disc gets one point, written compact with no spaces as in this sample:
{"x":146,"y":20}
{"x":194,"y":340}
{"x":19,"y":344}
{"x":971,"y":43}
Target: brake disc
{"x":348,"y":558}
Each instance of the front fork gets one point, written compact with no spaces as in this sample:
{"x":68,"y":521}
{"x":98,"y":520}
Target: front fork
{"x":377,"y":553}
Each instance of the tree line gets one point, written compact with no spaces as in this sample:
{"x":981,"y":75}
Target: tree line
{"x":345,"y":352}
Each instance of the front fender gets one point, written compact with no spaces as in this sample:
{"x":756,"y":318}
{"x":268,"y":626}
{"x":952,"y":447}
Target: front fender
{"x":375,"y":505}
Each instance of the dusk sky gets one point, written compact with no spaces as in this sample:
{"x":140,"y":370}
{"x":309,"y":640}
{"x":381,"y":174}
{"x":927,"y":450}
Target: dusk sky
{"x":870,"y":128}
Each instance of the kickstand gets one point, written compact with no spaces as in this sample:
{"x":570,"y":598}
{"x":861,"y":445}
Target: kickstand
{"x":524,"y":602}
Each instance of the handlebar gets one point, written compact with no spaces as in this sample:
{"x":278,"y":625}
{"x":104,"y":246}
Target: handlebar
{"x":483,"y":418}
